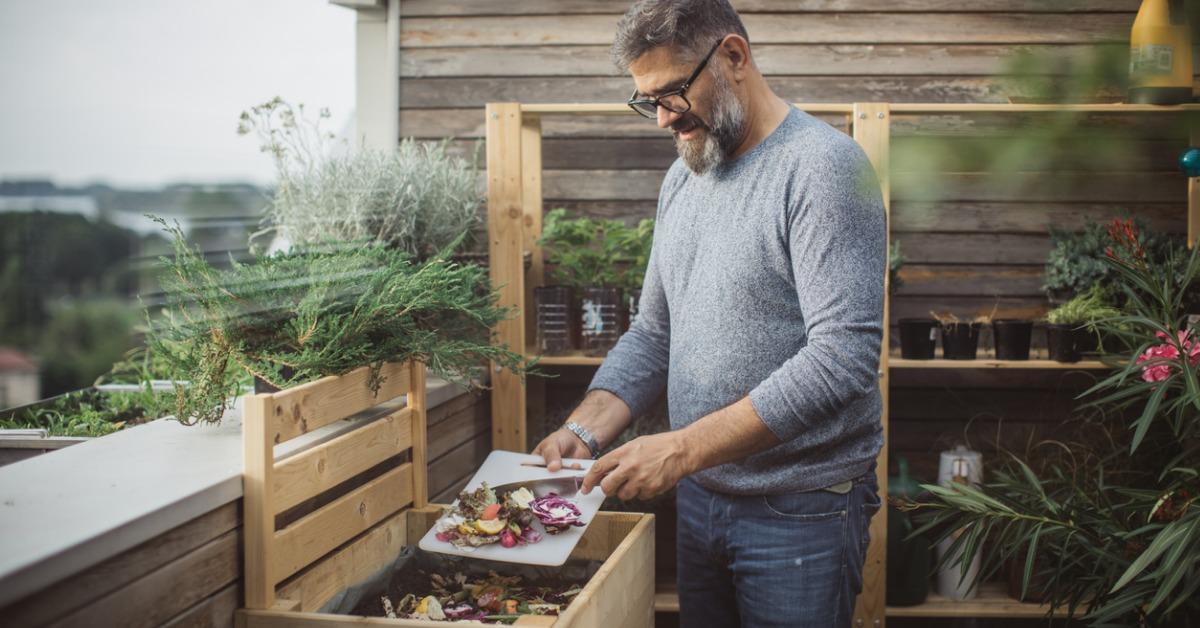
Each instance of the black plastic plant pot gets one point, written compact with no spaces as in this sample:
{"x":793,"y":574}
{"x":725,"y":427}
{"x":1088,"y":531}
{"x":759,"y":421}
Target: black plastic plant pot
{"x":918,"y":337}
{"x":633,"y":299}
{"x":261,"y":386}
{"x":1061,"y":341}
{"x":600,"y":320}
{"x":552,"y":305}
{"x":960,"y":341}
{"x":1012,"y":338}
{"x":1087,"y":341}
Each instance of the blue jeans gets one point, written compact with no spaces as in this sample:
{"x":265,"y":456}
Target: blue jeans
{"x":794,"y":559}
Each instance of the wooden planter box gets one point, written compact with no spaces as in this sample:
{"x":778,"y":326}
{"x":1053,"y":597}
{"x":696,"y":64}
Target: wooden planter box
{"x":291,"y":571}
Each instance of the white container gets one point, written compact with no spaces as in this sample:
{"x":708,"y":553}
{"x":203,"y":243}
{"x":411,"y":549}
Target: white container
{"x":964,"y":466}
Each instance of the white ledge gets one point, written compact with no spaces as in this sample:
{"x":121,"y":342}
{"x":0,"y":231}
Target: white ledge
{"x":65,"y":511}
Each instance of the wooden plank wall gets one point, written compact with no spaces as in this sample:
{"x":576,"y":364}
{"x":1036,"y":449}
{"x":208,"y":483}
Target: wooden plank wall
{"x":191,"y":576}
{"x":974,"y":239}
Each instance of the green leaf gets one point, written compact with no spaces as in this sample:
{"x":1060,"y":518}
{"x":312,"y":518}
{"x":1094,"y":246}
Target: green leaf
{"x":1143,"y":422}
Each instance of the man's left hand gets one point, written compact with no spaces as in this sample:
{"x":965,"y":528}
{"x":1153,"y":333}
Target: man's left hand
{"x":642,"y":468}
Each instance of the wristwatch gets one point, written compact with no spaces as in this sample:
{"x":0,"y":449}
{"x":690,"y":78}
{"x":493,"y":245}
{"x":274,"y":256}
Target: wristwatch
{"x":584,"y":436}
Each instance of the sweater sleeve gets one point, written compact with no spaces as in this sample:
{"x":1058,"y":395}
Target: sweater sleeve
{"x":836,"y":236}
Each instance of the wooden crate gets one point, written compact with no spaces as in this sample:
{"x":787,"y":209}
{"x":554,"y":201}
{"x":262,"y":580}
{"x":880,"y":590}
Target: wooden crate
{"x":293,"y":571}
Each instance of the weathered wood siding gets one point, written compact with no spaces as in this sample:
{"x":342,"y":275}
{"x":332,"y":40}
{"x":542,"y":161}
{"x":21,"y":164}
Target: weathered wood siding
{"x":974,"y":239}
{"x":191,"y":575}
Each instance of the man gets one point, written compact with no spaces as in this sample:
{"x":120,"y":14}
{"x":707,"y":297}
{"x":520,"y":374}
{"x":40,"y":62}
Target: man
{"x":761,"y":315}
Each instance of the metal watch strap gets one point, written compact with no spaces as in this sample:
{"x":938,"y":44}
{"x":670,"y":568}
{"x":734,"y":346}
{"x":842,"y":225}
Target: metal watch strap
{"x":585,"y":436}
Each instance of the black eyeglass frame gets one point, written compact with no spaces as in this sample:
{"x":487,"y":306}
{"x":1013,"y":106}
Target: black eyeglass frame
{"x":656,"y":102}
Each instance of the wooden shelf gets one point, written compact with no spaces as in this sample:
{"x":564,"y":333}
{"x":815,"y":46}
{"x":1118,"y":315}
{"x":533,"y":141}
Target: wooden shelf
{"x":574,"y":358}
{"x":992,"y":601}
{"x":990,"y":363}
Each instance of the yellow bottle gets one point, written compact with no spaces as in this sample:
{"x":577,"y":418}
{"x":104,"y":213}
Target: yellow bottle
{"x":1160,"y":54}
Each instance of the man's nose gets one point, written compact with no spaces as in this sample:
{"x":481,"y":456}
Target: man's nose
{"x":666,"y":117}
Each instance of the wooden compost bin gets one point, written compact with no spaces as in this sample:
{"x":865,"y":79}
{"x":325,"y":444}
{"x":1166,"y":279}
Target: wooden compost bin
{"x":293,"y":570}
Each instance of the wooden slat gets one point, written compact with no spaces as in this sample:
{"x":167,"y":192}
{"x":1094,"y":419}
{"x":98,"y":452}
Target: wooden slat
{"x":457,"y":429}
{"x":215,"y":612}
{"x":621,"y":593}
{"x":316,"y":534}
{"x":323,"y":467}
{"x":350,"y":565}
{"x":468,"y":123}
{"x":925,"y":247}
{"x":898,"y":363}
{"x":911,"y":154}
{"x":789,"y":59}
{"x":281,"y":619}
{"x":505,"y":242}
{"x":1017,"y":217}
{"x":971,"y":280}
{"x":531,"y":206}
{"x":434,"y":8}
{"x":165,"y":592}
{"x":309,"y":406}
{"x":992,"y":601}
{"x":477,"y":91}
{"x":117,"y":572}
{"x":258,"y":497}
{"x":871,"y":130}
{"x":1093,"y":187}
{"x":462,"y":459}
{"x":781,"y":28}
{"x":968,"y":307}
{"x":420,"y":440}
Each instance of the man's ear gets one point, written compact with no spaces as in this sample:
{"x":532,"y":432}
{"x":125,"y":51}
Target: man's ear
{"x":736,"y":51}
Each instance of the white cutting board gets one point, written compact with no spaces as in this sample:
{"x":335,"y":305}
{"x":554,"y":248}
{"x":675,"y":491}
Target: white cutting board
{"x":502,"y":467}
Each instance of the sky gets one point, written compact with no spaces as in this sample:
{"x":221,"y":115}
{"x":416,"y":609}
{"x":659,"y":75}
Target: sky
{"x":140,"y":93}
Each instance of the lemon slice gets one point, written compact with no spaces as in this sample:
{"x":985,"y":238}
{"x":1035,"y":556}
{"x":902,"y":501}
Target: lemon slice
{"x":492,"y":526}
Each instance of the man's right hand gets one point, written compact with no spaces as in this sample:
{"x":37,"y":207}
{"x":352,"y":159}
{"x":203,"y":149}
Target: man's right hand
{"x":562,"y":443}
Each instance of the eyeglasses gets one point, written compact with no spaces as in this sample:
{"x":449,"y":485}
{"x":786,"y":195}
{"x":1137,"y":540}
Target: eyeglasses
{"x":674,"y":101}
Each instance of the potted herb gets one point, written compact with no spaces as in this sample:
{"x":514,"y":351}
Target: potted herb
{"x":417,"y":198}
{"x":1071,"y":327}
{"x":586,"y":255}
{"x":960,"y":339}
{"x":317,"y":311}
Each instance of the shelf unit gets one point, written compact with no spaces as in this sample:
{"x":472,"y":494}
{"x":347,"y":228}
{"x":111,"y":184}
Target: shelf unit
{"x":514,"y":200}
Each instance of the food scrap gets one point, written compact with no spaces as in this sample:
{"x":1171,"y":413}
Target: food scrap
{"x":479,"y":518}
{"x":490,"y":599}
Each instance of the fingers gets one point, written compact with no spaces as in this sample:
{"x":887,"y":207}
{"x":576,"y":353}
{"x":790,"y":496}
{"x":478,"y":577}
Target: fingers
{"x":599,"y":469}
{"x":552,"y":455}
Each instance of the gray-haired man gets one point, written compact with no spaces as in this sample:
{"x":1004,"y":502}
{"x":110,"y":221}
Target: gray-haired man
{"x":761,"y":315}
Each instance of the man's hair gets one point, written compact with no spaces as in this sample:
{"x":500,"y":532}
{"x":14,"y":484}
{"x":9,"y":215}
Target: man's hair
{"x":690,"y":26}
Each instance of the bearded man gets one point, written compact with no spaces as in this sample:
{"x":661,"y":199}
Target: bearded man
{"x":761,"y":316}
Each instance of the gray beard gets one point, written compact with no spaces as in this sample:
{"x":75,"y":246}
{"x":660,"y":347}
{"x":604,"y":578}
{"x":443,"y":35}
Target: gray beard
{"x":719,"y":140}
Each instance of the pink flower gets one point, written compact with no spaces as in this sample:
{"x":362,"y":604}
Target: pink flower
{"x":1166,"y":351}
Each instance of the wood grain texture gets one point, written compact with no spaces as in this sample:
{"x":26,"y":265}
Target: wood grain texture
{"x":306,"y":540}
{"x":435,"y":8}
{"x":420,"y":439}
{"x":506,"y":238}
{"x":349,"y":565}
{"x":258,"y":441}
{"x":106,"y":578}
{"x":307,"y":407}
{"x":790,"y":59}
{"x":871,"y":130}
{"x":780,"y":28}
{"x":215,"y":612}
{"x":321,"y":468}
{"x":163,"y":593}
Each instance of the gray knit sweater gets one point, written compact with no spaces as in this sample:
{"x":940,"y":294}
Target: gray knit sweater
{"x":766,"y":278}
